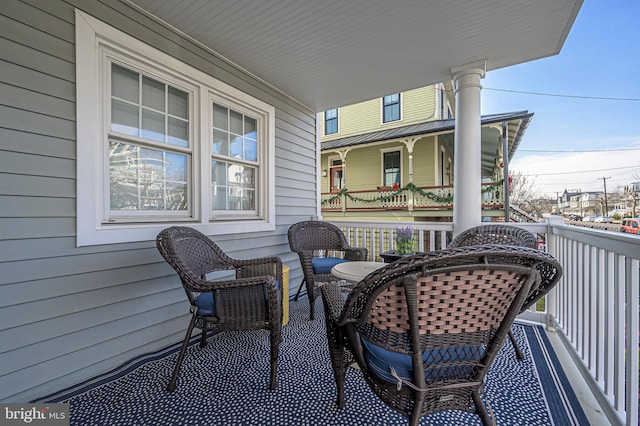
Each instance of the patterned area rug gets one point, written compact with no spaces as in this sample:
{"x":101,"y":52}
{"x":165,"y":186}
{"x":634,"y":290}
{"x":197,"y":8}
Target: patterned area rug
{"x":226,"y":384}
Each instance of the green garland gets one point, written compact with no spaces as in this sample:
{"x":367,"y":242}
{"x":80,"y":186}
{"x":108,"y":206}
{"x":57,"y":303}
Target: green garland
{"x":447,"y":199}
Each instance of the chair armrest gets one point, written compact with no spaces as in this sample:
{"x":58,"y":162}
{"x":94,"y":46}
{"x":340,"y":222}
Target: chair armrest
{"x":355,"y":253}
{"x":258,"y":267}
{"x":333,"y":300}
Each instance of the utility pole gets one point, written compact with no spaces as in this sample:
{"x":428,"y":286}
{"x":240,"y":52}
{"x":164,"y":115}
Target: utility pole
{"x":606,"y":206}
{"x":557,"y":202}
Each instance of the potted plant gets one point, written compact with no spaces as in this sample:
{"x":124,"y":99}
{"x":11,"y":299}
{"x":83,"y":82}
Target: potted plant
{"x":405,"y":241}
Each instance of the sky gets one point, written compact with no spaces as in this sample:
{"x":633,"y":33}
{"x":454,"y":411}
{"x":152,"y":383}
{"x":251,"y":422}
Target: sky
{"x":575,"y":141}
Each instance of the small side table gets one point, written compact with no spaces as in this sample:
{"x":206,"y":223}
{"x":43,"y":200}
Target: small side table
{"x":355,"y":271}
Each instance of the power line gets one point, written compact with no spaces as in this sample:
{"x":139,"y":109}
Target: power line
{"x":557,"y":95}
{"x":580,"y":171}
{"x":579,"y":150}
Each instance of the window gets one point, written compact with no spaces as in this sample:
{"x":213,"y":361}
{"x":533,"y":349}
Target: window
{"x":391,"y":108}
{"x":234,"y":161}
{"x":160,"y":142}
{"x":391,"y":168}
{"x":335,"y":175}
{"x":149,"y":145}
{"x":331,"y":121}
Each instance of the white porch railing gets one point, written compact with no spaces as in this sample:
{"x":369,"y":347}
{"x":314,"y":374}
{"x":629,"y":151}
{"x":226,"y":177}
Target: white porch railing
{"x":409,"y":198}
{"x":594,"y":308}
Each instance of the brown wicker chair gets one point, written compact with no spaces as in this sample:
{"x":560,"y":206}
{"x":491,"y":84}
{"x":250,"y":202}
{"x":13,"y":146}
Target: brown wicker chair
{"x":320,"y":246}
{"x":251,"y":300}
{"x":425,"y":329}
{"x":495,"y":234}
{"x":503,"y":235}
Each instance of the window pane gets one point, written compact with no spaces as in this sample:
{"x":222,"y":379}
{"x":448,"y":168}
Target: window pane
{"x":233,"y":186}
{"x":124,"y":118}
{"x":235,"y":123}
{"x":248,"y":200}
{"x":220,"y":143}
{"x":152,"y":125}
{"x":178,"y":132}
{"x":250,"y":150}
{"x":391,"y":108}
{"x":178,"y":103}
{"x":153,"y":93}
{"x":236,"y":146}
{"x":220,"y":117}
{"x":146,"y":179}
{"x":331,"y":121}
{"x":250,"y":128}
{"x":391,"y":168}
{"x":218,"y":185}
{"x":241,"y":187}
{"x":124,"y":84}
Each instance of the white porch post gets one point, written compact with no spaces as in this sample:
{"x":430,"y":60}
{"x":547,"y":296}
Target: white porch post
{"x":467,"y":200}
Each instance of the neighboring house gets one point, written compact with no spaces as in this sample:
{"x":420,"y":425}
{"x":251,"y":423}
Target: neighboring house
{"x":393,"y":157}
{"x":120,"y":118}
{"x":583,"y":203}
{"x":564,"y":201}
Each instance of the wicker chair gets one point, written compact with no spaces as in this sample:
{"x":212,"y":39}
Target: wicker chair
{"x":252,"y":300}
{"x":503,"y":235}
{"x":495,"y":234}
{"x":425,"y":329}
{"x":320,"y":246}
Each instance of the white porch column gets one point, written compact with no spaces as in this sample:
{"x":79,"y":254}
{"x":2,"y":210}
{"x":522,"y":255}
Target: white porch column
{"x":467,"y":200}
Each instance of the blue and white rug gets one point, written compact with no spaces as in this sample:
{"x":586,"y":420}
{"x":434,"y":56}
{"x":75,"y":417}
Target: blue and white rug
{"x":226,"y":384}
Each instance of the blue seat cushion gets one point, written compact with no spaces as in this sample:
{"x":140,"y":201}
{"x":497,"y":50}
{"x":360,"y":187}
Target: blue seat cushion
{"x":381,"y":360}
{"x":323,"y":265}
{"x":206,"y":307}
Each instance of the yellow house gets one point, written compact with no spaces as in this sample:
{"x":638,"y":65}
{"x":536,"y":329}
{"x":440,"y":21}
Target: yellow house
{"x":392,"y":158}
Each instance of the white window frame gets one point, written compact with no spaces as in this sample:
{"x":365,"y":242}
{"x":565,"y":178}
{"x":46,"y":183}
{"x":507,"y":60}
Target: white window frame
{"x":400,"y":112}
{"x":93,"y":39}
{"x":386,"y":151}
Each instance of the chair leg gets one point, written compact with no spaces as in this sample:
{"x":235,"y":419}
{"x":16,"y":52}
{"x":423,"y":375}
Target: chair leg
{"x":203,"y":339}
{"x":519,"y":354}
{"x":172,"y":383}
{"x":339,"y":373}
{"x":299,"y":289}
{"x":274,"y":340}
{"x":481,"y":410}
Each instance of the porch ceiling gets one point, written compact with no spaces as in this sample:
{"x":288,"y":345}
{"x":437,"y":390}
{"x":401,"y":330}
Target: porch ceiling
{"x":332,"y":53}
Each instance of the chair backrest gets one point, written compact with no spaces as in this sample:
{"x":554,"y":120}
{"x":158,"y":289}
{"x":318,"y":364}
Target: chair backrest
{"x":315,"y":235}
{"x":192,"y":255}
{"x":426,"y":329}
{"x":495,"y":234}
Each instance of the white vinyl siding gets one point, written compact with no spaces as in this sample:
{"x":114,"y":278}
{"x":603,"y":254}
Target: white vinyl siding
{"x":70,"y":313}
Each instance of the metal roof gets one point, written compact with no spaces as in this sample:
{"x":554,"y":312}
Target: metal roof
{"x":331,"y":53}
{"x":517,"y":124}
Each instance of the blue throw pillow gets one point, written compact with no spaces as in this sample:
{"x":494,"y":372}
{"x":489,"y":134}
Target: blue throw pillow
{"x":323,"y":265}
{"x":381,"y":360}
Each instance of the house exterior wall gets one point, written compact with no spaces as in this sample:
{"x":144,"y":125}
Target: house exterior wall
{"x":69,"y":313}
{"x":364,"y":164}
{"x":417,"y":105}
